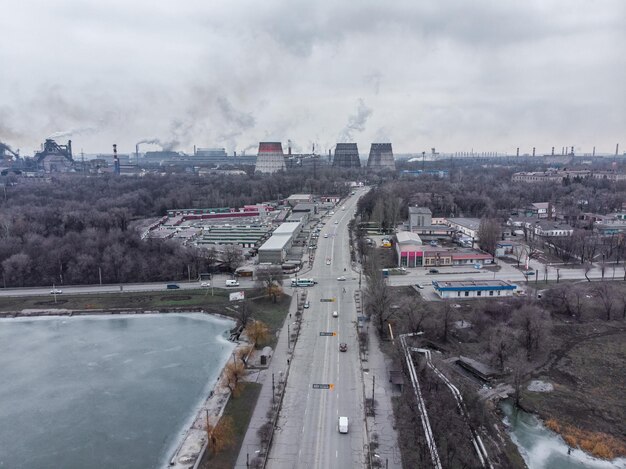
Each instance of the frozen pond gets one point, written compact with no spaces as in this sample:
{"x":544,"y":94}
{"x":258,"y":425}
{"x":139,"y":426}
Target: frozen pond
{"x":543,"y":449}
{"x":103,"y":392}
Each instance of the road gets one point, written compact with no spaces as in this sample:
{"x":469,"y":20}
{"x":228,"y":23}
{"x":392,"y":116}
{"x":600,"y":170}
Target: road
{"x":307,"y":433}
{"x":507,"y":272}
{"x":218,"y":282}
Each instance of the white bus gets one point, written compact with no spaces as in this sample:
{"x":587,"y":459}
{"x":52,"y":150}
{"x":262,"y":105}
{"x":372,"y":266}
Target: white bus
{"x":303,"y":282}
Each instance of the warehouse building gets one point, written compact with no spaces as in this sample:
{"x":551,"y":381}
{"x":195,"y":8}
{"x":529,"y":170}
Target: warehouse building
{"x":276,"y":248}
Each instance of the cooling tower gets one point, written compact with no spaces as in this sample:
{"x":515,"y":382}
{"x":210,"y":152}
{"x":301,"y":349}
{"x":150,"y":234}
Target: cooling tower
{"x":270,"y":158}
{"x":347,"y":156}
{"x":381,"y":157}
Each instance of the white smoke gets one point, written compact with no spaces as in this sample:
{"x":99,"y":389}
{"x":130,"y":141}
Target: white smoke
{"x":356,"y":122}
{"x":69,"y":133}
{"x":166,"y":146}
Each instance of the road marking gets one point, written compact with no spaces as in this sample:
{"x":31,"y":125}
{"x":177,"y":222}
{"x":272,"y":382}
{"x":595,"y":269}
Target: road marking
{"x":336,"y":453}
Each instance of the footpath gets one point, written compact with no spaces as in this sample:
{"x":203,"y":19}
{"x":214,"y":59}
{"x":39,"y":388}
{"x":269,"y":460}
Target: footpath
{"x":381,"y":426}
{"x":278,"y":367}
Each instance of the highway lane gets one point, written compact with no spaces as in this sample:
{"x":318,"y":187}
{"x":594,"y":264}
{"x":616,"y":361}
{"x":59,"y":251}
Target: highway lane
{"x":218,"y":282}
{"x":307,"y":434}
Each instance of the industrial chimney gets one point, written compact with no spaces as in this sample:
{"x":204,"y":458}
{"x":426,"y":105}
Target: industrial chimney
{"x":116,"y":161}
{"x":517,"y":153}
{"x":552,"y":151}
{"x":533,"y":151}
{"x":616,"y":149}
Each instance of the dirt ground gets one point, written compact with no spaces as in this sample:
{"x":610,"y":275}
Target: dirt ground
{"x":588,"y":371}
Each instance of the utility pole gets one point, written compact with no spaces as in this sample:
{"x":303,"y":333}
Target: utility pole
{"x":273,"y":389}
{"x":373,"y":384}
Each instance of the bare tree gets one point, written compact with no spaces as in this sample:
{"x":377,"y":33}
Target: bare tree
{"x":232,"y":257}
{"x":489,"y":233}
{"x":243,"y":313}
{"x":270,"y":278}
{"x":605,"y":293}
{"x":221,"y":435}
{"x":257,"y":332}
{"x":446,"y":319}
{"x":533,"y":325}
{"x":503,"y":345}
{"x":233,"y":374}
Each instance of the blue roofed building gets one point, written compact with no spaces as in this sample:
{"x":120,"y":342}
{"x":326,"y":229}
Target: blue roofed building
{"x":465,"y":289}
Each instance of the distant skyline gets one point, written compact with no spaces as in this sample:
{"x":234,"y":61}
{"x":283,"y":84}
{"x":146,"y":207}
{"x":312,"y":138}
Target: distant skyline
{"x":455,"y":75}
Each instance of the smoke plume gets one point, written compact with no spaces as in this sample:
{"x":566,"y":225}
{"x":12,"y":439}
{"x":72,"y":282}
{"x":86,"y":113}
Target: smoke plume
{"x":4,"y":147}
{"x":356,"y":122}
{"x":69,"y":133}
{"x":165,"y":146}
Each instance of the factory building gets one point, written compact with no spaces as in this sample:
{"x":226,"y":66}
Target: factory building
{"x":54,"y":157}
{"x":381,"y":157}
{"x":347,"y":156}
{"x":270,"y":158}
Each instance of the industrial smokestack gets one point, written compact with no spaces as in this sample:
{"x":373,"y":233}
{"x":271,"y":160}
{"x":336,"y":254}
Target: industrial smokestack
{"x":594,"y":151}
{"x":116,"y":161}
{"x":533,"y":151}
{"x":194,"y":150}
{"x":517,"y":153}
{"x":616,"y":149}
{"x":552,"y":151}
{"x":572,"y":150}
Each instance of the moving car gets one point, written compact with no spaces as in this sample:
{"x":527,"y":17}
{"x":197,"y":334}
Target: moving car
{"x":343,"y":424}
{"x":335,"y":314}
{"x":341,"y":279}
{"x":328,"y":261}
{"x":336,"y":222}
{"x":205,"y":284}
{"x":325,"y":235}
{"x":529,"y":272}
{"x":56,"y":291}
{"x":420,"y":286}
{"x":433,"y":271}
{"x":343,"y":347}
{"x":232,"y":283}
{"x":172,"y":286}
{"x":306,"y":304}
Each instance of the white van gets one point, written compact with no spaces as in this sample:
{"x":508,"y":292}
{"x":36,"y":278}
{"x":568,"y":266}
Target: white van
{"x":232,"y":283}
{"x":343,"y":424}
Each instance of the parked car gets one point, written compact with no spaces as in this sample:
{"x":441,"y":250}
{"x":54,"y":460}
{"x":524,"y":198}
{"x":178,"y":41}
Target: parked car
{"x":172,"y":286}
{"x":325,"y":235}
{"x":420,"y":286}
{"x":336,"y":222}
{"x":328,"y":261}
{"x":343,"y":347}
{"x":306,"y":304}
{"x":433,"y":271}
{"x":335,"y":314}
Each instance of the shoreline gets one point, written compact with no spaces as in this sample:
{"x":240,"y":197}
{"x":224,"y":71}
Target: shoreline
{"x":188,"y":445}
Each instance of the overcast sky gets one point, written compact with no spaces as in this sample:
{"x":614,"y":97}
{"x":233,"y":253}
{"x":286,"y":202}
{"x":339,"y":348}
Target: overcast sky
{"x":450,"y":74}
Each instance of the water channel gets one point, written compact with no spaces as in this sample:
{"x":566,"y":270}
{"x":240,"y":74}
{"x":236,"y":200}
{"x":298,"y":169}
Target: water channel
{"x":541,"y":448}
{"x":103,"y":392}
